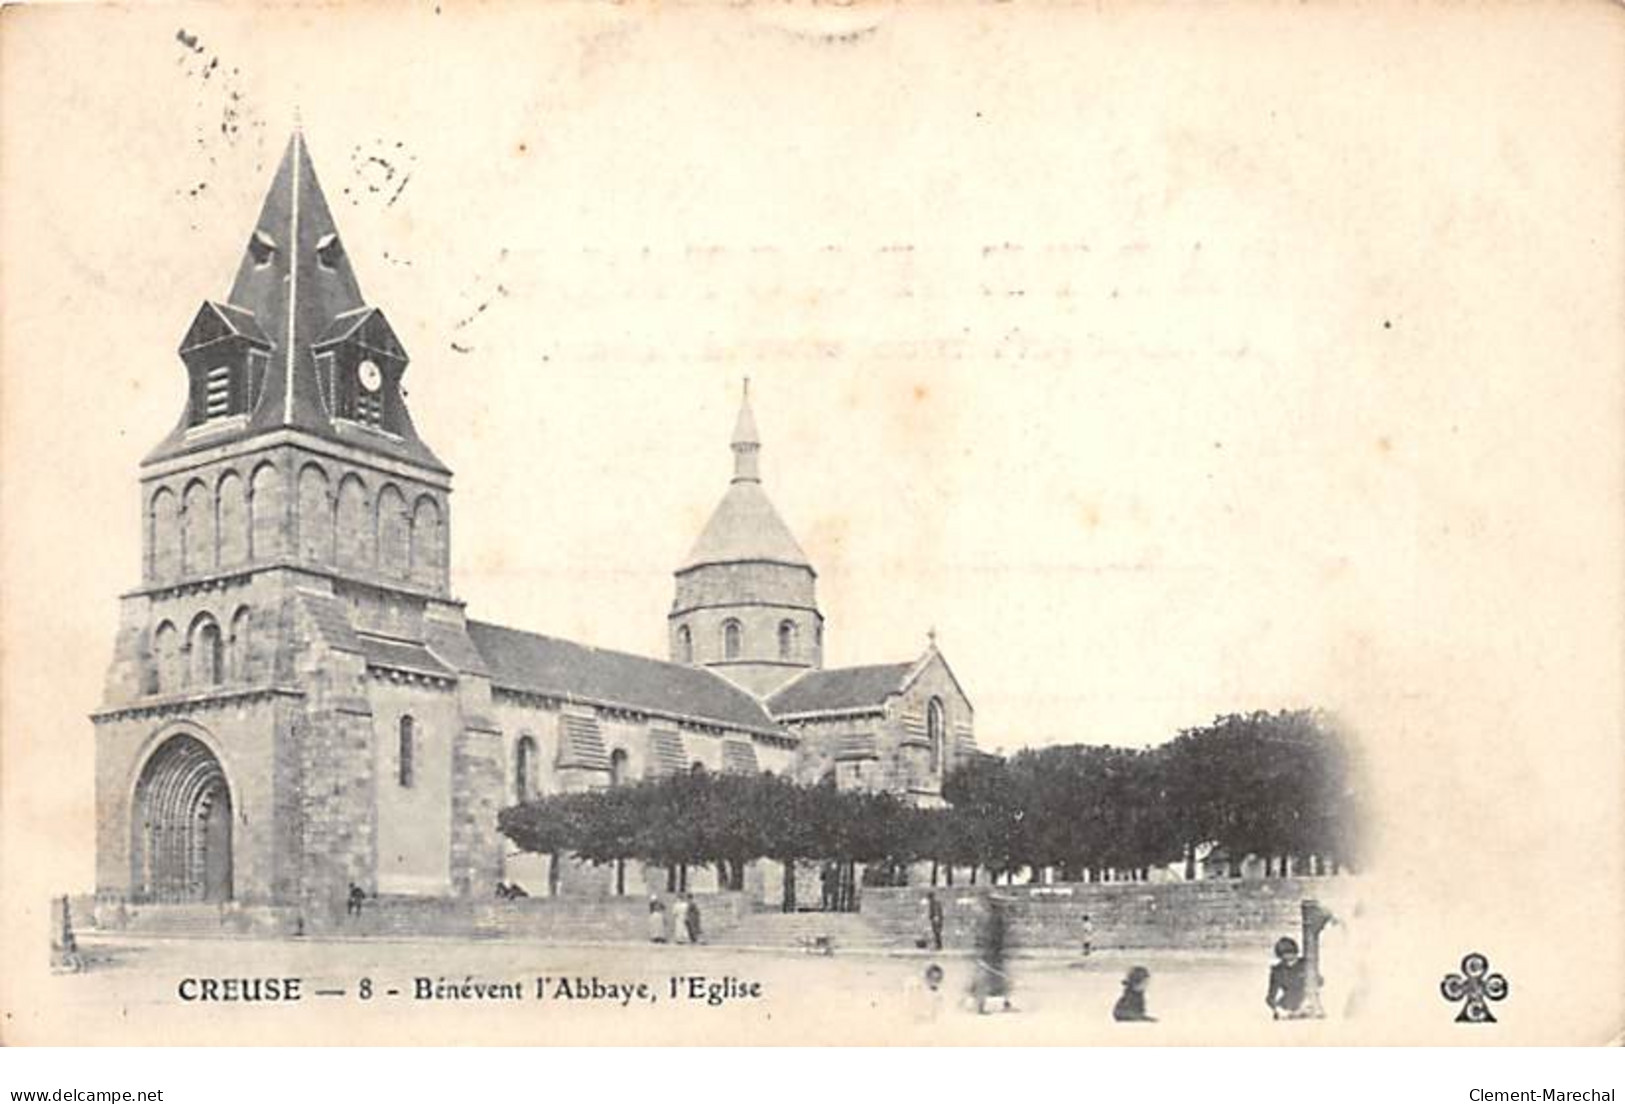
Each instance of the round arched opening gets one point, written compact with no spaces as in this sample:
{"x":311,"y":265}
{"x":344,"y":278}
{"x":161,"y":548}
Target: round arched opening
{"x":181,"y":826}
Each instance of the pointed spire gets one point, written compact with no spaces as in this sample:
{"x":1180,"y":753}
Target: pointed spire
{"x":746,"y":444}
{"x":296,"y":293}
{"x":295,"y":279}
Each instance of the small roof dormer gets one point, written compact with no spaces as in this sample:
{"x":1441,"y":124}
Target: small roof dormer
{"x":295,"y":344}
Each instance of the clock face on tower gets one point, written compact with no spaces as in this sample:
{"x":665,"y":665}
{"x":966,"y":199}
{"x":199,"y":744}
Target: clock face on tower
{"x":369,"y":375}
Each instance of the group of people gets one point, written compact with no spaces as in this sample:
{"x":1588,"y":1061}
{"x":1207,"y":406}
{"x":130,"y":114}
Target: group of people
{"x":1291,"y":994}
{"x":678,"y":924}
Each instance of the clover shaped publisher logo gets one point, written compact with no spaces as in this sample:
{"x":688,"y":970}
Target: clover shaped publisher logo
{"x":1475,"y":987}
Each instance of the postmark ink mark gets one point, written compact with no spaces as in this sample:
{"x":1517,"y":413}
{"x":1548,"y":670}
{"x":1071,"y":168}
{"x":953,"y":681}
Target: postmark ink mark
{"x":484,"y":302}
{"x":379,"y":172}
{"x":222,"y":117}
{"x":1475,"y":987}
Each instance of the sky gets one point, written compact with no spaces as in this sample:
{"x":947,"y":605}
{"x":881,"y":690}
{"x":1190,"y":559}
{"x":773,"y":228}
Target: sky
{"x":1166,"y":362}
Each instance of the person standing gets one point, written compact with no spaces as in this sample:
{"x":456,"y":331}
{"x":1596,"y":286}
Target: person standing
{"x":691,"y":917}
{"x":1089,"y":936}
{"x":657,"y":920}
{"x":933,"y":915}
{"x":992,"y":980}
{"x":679,"y":918}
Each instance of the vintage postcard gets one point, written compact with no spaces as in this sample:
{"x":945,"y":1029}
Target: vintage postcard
{"x":796,"y":523}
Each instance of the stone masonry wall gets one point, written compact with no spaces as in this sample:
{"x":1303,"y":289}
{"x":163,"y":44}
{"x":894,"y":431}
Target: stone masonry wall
{"x":1202,"y":914}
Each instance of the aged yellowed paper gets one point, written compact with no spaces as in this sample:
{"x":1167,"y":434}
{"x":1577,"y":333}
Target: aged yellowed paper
{"x":1175,"y":508}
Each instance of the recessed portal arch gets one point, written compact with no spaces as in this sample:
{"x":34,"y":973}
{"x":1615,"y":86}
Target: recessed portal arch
{"x":180,"y":848}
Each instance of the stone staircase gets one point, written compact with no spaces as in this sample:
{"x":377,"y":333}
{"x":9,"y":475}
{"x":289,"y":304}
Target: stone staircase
{"x":187,"y":921}
{"x":813,"y":932}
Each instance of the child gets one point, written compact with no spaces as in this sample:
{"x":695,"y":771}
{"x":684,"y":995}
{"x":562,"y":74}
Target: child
{"x":1130,"y":1007}
{"x":1088,"y":936}
{"x":928,"y":998}
{"x":1289,"y":981}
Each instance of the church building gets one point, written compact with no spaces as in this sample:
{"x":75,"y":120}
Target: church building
{"x":297,"y":701}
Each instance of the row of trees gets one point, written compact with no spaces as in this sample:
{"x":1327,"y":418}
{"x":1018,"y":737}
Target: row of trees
{"x":1267,"y":784}
{"x":1275,"y":785}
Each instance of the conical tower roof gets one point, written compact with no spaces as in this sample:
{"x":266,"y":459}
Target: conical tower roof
{"x":745,"y":527}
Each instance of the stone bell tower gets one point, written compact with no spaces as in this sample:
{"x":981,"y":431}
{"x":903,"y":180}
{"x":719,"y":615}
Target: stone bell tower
{"x":293,"y":522}
{"x":746,"y":602}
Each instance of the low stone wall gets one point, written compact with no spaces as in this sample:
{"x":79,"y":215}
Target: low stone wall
{"x":560,"y":919}
{"x":1202,"y":914}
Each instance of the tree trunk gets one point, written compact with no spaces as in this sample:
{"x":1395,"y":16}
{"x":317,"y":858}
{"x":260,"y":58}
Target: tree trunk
{"x":788,"y":899}
{"x":1190,"y":862}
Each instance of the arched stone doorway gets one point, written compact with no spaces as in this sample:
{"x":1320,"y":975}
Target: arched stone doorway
{"x":181,"y":825}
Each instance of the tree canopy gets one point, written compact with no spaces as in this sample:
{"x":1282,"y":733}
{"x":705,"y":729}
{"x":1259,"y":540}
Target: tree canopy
{"x":1273,"y":784}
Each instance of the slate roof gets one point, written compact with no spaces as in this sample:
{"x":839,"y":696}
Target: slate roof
{"x":745,"y":527}
{"x":401,"y":655}
{"x":552,"y":667}
{"x":216,"y":321}
{"x":330,"y":620}
{"x":839,"y":688}
{"x":293,"y":292}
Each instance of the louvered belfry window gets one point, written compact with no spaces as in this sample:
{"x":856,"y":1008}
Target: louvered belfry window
{"x":217,"y":392}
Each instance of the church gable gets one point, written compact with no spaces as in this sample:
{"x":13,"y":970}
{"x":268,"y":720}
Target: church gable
{"x":936,"y":719}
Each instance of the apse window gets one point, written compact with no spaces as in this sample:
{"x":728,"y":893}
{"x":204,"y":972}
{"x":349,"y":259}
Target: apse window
{"x":406,"y":753}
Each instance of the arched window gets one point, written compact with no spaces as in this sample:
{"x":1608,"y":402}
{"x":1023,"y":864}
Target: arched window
{"x":427,"y":552}
{"x":685,"y":644}
{"x":166,"y":660}
{"x":787,"y":639}
{"x":936,"y":733}
{"x":617,"y":767}
{"x":240,"y":671}
{"x":524,"y":769}
{"x":197,"y":528}
{"x":732,"y":639}
{"x":406,"y":752}
{"x":208,"y":653}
